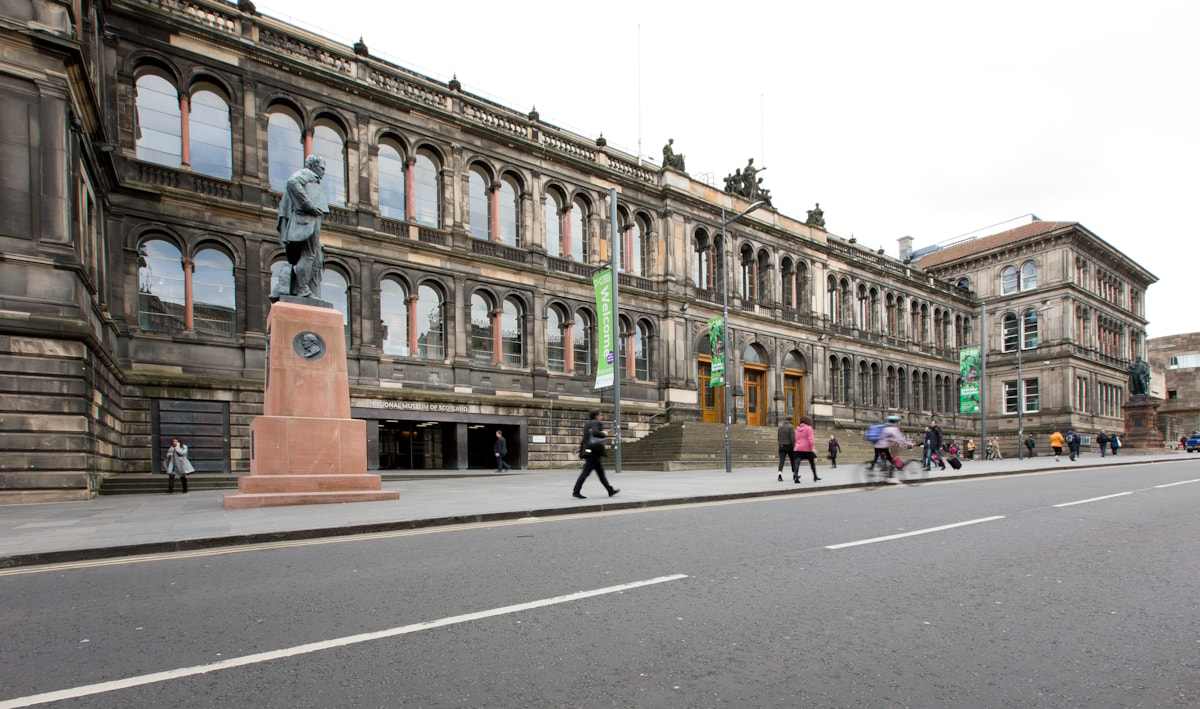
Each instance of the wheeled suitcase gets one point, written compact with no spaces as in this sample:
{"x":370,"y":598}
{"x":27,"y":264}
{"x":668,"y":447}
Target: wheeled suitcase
{"x":954,"y":462}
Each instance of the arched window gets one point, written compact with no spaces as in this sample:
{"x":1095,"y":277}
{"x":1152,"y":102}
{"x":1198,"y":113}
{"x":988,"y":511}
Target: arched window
{"x":873,"y":321}
{"x":1008,"y":331}
{"x":556,"y":351}
{"x":393,"y":312}
{"x":964,"y":283}
{"x":582,"y":336}
{"x":427,"y":186}
{"x":285,"y":147}
{"x":864,"y":315}
{"x":915,"y":391}
{"x":874,"y":384}
{"x":215,"y":300}
{"x":1029,"y":275}
{"x":161,"y":300}
{"x":891,"y":388}
{"x":1008,"y":280}
{"x":210,"y":135}
{"x":328,"y":143}
{"x":764,"y":277}
{"x":336,"y":290}
{"x":803,"y":304}
{"x":1029,"y":323}
{"x":512,"y":331}
{"x":702,"y":265}
{"x":749,"y":273}
{"x":509,"y":204}
{"x":864,"y":385}
{"x":637,"y":245}
{"x":846,"y":302}
{"x":391,"y":182}
{"x":581,"y":242}
{"x":847,"y":382}
{"x":482,"y":332}
{"x":478,"y":186}
{"x":787,"y":284}
{"x":901,"y":388}
{"x":159,"y":131}
{"x":431,"y":325}
{"x":835,"y":379}
{"x":641,"y":351}
{"x":925,"y":395}
{"x":554,"y":220}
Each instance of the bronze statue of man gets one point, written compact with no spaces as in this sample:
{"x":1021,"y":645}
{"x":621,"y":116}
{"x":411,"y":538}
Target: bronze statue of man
{"x":1139,"y":377}
{"x":301,"y":210}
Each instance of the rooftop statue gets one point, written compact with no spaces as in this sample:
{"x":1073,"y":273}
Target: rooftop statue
{"x":670,"y":159}
{"x":816,"y":217}
{"x":746,"y":183}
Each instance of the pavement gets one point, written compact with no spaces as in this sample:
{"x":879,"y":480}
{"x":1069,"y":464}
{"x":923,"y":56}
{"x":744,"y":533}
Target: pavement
{"x":126,"y":525}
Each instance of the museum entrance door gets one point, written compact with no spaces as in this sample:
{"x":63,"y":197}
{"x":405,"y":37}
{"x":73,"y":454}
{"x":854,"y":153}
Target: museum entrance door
{"x":712,"y":399}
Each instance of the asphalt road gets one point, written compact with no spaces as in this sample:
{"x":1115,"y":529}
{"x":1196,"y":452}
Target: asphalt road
{"x":845,"y":598}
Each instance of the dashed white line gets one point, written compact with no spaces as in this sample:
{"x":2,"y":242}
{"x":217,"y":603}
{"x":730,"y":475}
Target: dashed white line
{"x":1093,"y":499}
{"x":115,"y":685}
{"x":1181,"y":482}
{"x":902,"y":535}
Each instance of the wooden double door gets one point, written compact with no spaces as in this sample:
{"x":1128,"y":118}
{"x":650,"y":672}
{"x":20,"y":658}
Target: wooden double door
{"x":712,"y":399}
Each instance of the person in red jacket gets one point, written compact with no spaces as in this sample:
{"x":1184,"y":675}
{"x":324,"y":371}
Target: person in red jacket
{"x":805,"y":449}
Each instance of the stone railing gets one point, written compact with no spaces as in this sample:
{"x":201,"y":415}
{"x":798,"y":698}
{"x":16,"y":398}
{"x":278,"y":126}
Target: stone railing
{"x":498,"y":250}
{"x":569,"y":266}
{"x":431,"y":236}
{"x":633,"y":170}
{"x":210,"y":187}
{"x":568,"y":147}
{"x":212,"y":17}
{"x":309,"y":53}
{"x":630,"y":281}
{"x":493,"y":119}
{"x":396,"y":84}
{"x":393,"y":227}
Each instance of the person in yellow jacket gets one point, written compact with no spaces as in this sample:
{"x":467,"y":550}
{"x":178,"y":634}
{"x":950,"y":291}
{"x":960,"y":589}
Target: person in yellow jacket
{"x":1056,"y":442}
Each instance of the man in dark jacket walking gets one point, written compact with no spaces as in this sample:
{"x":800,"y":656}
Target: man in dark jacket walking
{"x":933,"y":446}
{"x":501,"y":450}
{"x":786,"y":437}
{"x":591,"y":450}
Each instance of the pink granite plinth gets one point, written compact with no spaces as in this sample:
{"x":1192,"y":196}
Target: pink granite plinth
{"x":305,"y":449}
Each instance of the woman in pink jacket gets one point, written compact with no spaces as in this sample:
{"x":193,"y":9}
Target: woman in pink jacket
{"x":805,"y":449}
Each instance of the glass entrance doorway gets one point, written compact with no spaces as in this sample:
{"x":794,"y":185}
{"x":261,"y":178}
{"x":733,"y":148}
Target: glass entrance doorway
{"x":413,"y":445}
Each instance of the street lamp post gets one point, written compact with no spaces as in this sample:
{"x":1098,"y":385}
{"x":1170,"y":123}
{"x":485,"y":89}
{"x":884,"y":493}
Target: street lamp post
{"x":725,"y":324}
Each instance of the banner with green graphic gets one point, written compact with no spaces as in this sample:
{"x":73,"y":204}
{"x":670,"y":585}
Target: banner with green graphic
{"x":606,"y":352}
{"x":968,"y":367}
{"x":716,"y":342}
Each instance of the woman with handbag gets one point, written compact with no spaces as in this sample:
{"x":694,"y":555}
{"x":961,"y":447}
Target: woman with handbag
{"x":591,"y":450}
{"x":176,"y":463}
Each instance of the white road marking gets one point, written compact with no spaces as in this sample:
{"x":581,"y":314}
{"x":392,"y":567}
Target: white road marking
{"x":890,"y":537}
{"x":1181,"y":482}
{"x":1093,"y":499}
{"x":116,"y":685}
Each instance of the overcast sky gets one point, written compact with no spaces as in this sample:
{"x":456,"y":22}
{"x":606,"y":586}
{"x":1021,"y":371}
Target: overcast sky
{"x":929,"y":119}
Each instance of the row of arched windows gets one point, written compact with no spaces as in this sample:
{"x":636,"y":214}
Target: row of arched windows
{"x":192,"y":129}
{"x":891,"y":388}
{"x":413,"y":316}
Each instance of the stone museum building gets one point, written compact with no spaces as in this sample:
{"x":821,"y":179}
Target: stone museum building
{"x":145,"y":144}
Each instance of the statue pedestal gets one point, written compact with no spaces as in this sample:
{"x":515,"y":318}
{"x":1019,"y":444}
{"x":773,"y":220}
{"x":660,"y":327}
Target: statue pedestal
{"x":305,"y":449}
{"x":1141,"y":424}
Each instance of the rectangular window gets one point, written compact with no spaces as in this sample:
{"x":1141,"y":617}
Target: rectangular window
{"x":1031,"y":396}
{"x":1010,"y":397}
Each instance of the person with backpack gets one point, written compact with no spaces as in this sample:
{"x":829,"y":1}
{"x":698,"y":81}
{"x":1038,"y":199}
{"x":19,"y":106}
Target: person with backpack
{"x":1073,"y":444}
{"x":882,"y":436}
{"x":1114,"y":443}
{"x":1102,"y":441}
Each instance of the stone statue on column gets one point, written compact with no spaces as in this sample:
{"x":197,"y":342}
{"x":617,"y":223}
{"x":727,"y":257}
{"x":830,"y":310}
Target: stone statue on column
{"x":301,"y":210}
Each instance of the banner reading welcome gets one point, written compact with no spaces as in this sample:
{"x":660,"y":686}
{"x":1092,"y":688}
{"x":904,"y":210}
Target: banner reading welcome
{"x":968,"y":367}
{"x":605,"y":354}
{"x":716,"y":343}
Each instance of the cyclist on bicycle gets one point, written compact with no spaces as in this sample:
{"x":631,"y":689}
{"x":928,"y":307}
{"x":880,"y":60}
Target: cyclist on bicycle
{"x":890,"y":435}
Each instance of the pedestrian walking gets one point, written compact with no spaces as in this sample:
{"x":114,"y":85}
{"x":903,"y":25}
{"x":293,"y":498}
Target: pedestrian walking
{"x":591,"y":450}
{"x":1073,"y":443}
{"x":1030,"y":443}
{"x":176,"y":463}
{"x":933,"y":446}
{"x":786,"y":437}
{"x":834,"y":449}
{"x":805,"y":449}
{"x":501,"y":450}
{"x":1114,"y":443}
{"x":1056,"y":443}
{"x":996,"y":454}
{"x":970,"y":449}
{"x":1102,"y":441}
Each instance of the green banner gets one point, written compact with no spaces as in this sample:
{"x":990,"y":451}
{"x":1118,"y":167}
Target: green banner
{"x":968,"y":367}
{"x":716,"y":342}
{"x":606,"y":354}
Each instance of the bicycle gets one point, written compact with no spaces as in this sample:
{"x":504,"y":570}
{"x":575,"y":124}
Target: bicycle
{"x":896,"y":468}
